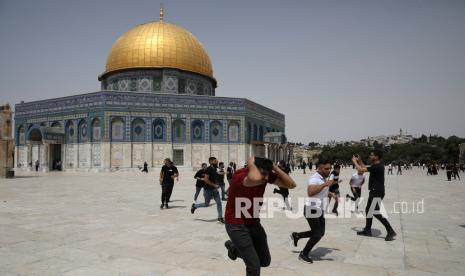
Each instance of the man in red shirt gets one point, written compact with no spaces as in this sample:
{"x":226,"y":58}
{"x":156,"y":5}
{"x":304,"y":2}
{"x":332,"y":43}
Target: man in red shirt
{"x":248,"y":238}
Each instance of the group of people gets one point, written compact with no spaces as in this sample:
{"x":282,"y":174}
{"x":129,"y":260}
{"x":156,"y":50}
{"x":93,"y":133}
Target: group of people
{"x":248,"y":238}
{"x":210,"y":178}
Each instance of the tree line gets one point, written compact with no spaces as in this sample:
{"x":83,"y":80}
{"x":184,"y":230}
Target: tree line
{"x":432,"y":149}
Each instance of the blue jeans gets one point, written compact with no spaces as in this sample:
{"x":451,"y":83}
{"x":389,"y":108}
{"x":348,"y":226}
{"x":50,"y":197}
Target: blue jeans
{"x":209,"y":194}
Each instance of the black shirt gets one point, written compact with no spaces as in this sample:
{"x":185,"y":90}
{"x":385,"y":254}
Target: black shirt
{"x":201,"y":174}
{"x":376,"y":180}
{"x":168,"y":172}
{"x":229,"y":173}
{"x":221,"y":176}
{"x":335,"y":176}
{"x":212,"y":176}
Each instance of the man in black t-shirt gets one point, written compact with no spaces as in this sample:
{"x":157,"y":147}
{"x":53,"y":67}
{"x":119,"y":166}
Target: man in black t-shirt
{"x":333,"y":190}
{"x":210,"y":189}
{"x":376,"y":195}
{"x":230,"y":172}
{"x":199,"y":175}
{"x":167,"y":175}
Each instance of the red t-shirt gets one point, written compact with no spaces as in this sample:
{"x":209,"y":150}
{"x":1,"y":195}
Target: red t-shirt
{"x":238,"y":190}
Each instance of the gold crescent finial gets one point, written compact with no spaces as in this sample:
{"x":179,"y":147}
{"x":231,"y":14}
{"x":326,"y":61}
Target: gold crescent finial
{"x":161,"y":12}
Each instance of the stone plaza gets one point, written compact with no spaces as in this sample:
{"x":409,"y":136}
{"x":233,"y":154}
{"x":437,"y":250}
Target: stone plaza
{"x":110,"y":224}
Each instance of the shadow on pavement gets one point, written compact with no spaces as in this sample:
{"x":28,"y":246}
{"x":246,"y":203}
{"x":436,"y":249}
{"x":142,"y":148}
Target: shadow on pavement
{"x":375,"y":233}
{"x":207,"y":220}
{"x":175,"y":206}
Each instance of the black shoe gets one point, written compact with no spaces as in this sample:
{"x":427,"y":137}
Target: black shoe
{"x":166,"y":206}
{"x":294,"y":238}
{"x":162,"y":205}
{"x":347,"y":196}
{"x":221,"y":220}
{"x":193,"y":208}
{"x":335,"y":212}
{"x":229,"y":245}
{"x":390,"y":236}
{"x":364,"y":233}
{"x":275,"y":191}
{"x":305,"y":258}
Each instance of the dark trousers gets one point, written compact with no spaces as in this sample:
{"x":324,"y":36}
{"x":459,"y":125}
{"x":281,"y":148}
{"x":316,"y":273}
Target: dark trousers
{"x":250,"y":244}
{"x":449,"y":175}
{"x":377,"y":197}
{"x":166,"y":191}
{"x":317,"y":228}
{"x":197,"y":192}
{"x":357,"y":192}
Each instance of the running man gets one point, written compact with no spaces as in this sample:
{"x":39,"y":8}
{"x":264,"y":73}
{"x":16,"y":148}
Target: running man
{"x":284,"y":192}
{"x":210,"y":189}
{"x":356,"y":182}
{"x":315,"y":204}
{"x":248,"y":238}
{"x":199,"y":176}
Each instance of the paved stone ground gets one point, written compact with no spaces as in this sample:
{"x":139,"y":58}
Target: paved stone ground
{"x":111,"y":224}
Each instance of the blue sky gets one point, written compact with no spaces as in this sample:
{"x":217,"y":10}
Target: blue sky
{"x":338,"y":70}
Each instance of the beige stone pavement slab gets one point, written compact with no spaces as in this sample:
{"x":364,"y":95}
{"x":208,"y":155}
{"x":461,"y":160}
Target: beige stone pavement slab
{"x":111,"y":224}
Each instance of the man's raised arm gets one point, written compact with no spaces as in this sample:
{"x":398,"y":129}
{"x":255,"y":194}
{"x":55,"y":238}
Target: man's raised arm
{"x":283,"y":180}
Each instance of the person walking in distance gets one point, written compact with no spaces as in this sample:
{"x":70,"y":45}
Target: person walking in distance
{"x":167,"y":175}
{"x":200,"y":183}
{"x":210,"y":189}
{"x":304,"y":165}
{"x":248,"y":239}
{"x":399,"y":169}
{"x":221,"y":175}
{"x":376,"y":194}
{"x":315,"y":204}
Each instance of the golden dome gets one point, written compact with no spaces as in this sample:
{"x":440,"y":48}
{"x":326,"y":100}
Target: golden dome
{"x":159,"y":45}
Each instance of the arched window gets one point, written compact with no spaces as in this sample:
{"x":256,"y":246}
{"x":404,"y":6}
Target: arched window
{"x":255,"y":132}
{"x":198,"y":131}
{"x":216,"y":132}
{"x":35,"y":135}
{"x":260,"y":133}
{"x":82,"y":138}
{"x":117,"y":129}
{"x":179,"y":131}
{"x":138,"y":130}
{"x":96,"y":130}
{"x":70,"y":132}
{"x":56,"y":124}
{"x":233,"y":132}
{"x":158,"y":130}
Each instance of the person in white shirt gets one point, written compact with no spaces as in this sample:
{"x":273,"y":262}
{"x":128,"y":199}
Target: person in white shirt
{"x":356,"y":182}
{"x":315,"y":204}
